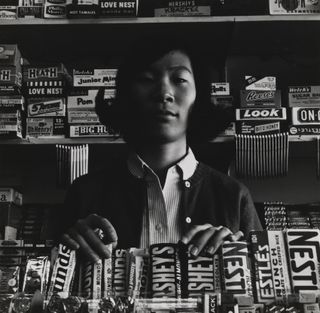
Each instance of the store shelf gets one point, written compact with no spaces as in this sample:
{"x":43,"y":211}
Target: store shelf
{"x":163,"y":20}
{"x":116,"y":140}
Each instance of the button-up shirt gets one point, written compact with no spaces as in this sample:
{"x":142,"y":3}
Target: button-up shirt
{"x":161,"y":221}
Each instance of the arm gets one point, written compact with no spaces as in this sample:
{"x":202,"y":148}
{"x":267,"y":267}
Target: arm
{"x":79,"y":231}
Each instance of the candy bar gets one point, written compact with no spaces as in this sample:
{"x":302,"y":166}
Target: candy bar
{"x":237,"y":278}
{"x":63,"y":271}
{"x":303,"y":248}
{"x":165,"y":271}
{"x":36,"y":275}
{"x":9,"y":282}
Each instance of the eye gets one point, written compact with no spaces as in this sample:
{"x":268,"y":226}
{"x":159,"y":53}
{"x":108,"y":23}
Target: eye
{"x":180,"y":80}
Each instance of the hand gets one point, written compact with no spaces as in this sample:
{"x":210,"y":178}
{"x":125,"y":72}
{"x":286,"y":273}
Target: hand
{"x":82,"y":236}
{"x":207,"y":238}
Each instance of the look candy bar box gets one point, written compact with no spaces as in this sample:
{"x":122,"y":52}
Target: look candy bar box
{"x":295,"y":7}
{"x":182,"y":8}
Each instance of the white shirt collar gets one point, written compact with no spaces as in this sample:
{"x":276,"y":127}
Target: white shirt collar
{"x":187,"y":165}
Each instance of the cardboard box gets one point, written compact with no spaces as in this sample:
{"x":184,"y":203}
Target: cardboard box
{"x":9,"y":194}
{"x":220,"y":89}
{"x":258,"y":127}
{"x":46,"y":107}
{"x":94,"y":78}
{"x":11,"y":103}
{"x":118,"y":8}
{"x":239,"y":7}
{"x":10,"y":76}
{"x":305,"y":116}
{"x":46,"y":127}
{"x":8,"y":9}
{"x":294,"y":7}
{"x":10,"y":55}
{"x":304,"y":130}
{"x":182,"y":8}
{"x":261,"y":114}
{"x":258,"y":98}
{"x":55,"y":9}
{"x":83,"y":9}
{"x":266,"y":83}
{"x":92,"y":130}
{"x":304,"y":96}
{"x":30,"y":9}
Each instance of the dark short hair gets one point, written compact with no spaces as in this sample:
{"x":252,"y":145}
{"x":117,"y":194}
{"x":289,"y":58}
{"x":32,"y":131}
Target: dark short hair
{"x":205,"y":120}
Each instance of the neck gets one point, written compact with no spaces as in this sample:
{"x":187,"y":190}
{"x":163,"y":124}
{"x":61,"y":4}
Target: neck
{"x":161,"y":156}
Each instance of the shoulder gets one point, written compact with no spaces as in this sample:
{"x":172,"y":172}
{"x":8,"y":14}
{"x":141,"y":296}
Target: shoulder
{"x":219,"y":180}
{"x":109,"y":174}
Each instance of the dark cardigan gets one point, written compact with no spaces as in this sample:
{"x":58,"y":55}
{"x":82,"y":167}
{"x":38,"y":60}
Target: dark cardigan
{"x":208,"y":197}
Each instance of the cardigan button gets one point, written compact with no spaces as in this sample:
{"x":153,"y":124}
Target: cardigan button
{"x":188,"y":220}
{"x":187,"y":184}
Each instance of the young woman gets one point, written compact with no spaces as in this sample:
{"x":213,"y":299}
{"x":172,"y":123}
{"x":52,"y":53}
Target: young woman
{"x":161,"y":193}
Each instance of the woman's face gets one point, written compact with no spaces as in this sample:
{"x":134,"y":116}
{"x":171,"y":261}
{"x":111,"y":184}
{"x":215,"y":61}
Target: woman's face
{"x":163,"y":95}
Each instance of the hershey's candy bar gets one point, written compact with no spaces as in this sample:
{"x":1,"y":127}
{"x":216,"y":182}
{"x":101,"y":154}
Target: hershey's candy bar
{"x":166,"y":277}
{"x":200,"y":275}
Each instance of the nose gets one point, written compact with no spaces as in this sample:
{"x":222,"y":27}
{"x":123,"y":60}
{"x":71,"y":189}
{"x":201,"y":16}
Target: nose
{"x":164,"y":91}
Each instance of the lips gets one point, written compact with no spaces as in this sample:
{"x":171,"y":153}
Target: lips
{"x":164,"y":115}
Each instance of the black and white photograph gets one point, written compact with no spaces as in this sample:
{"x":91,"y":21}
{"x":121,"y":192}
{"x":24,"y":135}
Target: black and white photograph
{"x":159,"y":156}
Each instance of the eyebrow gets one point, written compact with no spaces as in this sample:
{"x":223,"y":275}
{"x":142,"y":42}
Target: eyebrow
{"x":180,"y":67}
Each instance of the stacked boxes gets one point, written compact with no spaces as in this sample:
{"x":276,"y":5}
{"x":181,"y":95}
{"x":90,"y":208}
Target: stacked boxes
{"x":30,"y":9}
{"x":182,"y":8}
{"x":8,"y":9}
{"x":55,"y":9}
{"x":221,"y":98}
{"x":10,"y":212}
{"x":45,"y":89}
{"x":260,"y":111}
{"x":11,"y":101}
{"x":304,"y":103}
{"x":82,"y":8}
{"x":82,"y":119}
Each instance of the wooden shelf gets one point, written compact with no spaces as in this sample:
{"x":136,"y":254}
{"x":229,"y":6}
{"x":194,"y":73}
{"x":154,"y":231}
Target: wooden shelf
{"x":163,"y":20}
